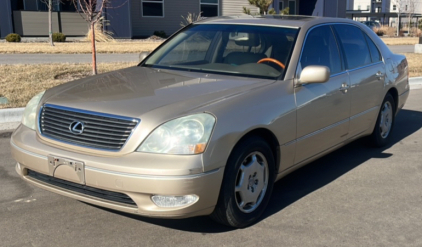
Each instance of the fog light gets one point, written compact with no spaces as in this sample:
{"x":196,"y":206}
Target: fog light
{"x":174,"y":201}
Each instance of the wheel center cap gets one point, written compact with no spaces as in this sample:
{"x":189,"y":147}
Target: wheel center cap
{"x":251,"y":182}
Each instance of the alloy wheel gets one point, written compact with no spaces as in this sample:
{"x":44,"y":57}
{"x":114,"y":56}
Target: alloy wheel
{"x":251,"y":182}
{"x":386,"y":119}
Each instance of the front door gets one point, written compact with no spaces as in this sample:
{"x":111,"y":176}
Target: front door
{"x":323,"y":109}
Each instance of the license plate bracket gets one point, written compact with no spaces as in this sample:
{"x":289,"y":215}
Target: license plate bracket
{"x":67,"y":169}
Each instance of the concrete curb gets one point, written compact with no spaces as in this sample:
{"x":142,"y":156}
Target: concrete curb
{"x":11,"y":115}
{"x":415,"y":80}
{"x":9,"y":120}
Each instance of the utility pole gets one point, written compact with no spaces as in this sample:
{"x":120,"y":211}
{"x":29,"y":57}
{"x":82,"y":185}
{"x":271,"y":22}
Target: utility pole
{"x":337,"y":9}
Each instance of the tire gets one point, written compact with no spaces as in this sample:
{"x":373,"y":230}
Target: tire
{"x":252,"y":160}
{"x":385,"y":122}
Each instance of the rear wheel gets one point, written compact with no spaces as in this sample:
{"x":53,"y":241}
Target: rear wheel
{"x":247,"y":184}
{"x":385,"y":122}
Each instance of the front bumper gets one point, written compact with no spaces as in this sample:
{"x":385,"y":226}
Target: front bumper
{"x":134,"y":177}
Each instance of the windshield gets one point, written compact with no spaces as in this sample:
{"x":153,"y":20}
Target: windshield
{"x":242,"y":50}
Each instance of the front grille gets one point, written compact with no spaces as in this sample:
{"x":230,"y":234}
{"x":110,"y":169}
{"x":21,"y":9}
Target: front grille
{"x":101,"y":131}
{"x":82,"y":189}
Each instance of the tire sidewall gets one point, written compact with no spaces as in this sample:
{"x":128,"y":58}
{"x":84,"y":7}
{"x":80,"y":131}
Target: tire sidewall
{"x":234,"y":216}
{"x":379,"y":141}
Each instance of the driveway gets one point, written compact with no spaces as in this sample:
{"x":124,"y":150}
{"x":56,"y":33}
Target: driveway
{"x":356,"y":196}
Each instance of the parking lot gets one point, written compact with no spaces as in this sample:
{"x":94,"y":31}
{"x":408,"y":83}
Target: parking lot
{"x":356,"y":196}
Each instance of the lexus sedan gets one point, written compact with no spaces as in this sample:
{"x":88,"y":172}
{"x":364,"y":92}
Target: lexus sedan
{"x":207,"y":122}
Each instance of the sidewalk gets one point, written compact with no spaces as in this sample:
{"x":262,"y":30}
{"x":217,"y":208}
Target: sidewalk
{"x":66,"y":58}
{"x":106,"y":58}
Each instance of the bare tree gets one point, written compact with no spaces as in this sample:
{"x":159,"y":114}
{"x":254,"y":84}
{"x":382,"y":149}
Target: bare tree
{"x":410,"y":9}
{"x":407,"y":7}
{"x":92,"y":11}
{"x":49,"y":4}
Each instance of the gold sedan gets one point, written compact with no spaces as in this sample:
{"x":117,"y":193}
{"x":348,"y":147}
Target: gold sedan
{"x":206,"y":123}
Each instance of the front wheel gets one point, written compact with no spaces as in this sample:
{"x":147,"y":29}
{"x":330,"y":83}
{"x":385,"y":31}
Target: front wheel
{"x":385,"y":122}
{"x":247,"y":184}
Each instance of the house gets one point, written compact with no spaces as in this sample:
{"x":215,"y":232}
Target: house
{"x":384,"y":11}
{"x":140,"y":18}
{"x":30,"y":18}
{"x":148,"y":16}
{"x":327,"y":8}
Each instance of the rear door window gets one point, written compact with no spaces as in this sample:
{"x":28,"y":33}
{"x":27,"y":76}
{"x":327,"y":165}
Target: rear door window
{"x":354,"y":46}
{"x":375,"y":53}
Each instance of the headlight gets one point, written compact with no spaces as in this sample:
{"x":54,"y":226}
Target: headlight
{"x":185,"y":135}
{"x":29,"y":114}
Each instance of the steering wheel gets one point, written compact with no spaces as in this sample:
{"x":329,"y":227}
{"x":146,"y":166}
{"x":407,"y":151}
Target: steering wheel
{"x":273,"y":61}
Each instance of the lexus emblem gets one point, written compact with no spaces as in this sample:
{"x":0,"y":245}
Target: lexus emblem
{"x":77,"y":127}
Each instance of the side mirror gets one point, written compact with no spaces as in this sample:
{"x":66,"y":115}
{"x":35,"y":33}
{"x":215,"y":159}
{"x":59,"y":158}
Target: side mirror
{"x":143,"y":55}
{"x":314,"y":74}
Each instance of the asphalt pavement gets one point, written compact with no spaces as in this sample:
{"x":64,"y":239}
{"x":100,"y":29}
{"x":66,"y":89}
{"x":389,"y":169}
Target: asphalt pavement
{"x":356,"y":196}
{"x":107,"y":58}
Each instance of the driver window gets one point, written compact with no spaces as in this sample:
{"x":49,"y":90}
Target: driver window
{"x":321,"y":49}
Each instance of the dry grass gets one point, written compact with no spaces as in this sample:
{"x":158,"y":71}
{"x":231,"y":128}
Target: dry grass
{"x":415,"y":32}
{"x":401,"y":41}
{"x":19,"y":83}
{"x":100,"y":34}
{"x":415,"y":64}
{"x":78,"y":47}
{"x":386,"y":30}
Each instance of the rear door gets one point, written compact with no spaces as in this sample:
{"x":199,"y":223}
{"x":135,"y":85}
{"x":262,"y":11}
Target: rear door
{"x":367,"y":72}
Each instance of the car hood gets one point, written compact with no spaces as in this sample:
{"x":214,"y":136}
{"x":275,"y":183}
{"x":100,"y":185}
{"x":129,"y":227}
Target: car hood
{"x":134,"y":91}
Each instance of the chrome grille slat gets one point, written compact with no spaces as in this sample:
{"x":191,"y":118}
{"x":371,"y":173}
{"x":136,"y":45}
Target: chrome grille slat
{"x":51,"y":120}
{"x":56,"y":120}
{"x":98,"y":146}
{"x":80,"y":137}
{"x":89,"y":122}
{"x":101,"y":131}
{"x":65,"y":126}
{"x":82,"y":115}
{"x":86,"y":135}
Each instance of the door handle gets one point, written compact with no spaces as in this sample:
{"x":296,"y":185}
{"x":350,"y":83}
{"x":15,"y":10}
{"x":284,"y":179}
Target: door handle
{"x":344,"y":87}
{"x":379,"y":75}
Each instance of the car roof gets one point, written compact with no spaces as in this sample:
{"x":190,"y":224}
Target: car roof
{"x":293,"y":21}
